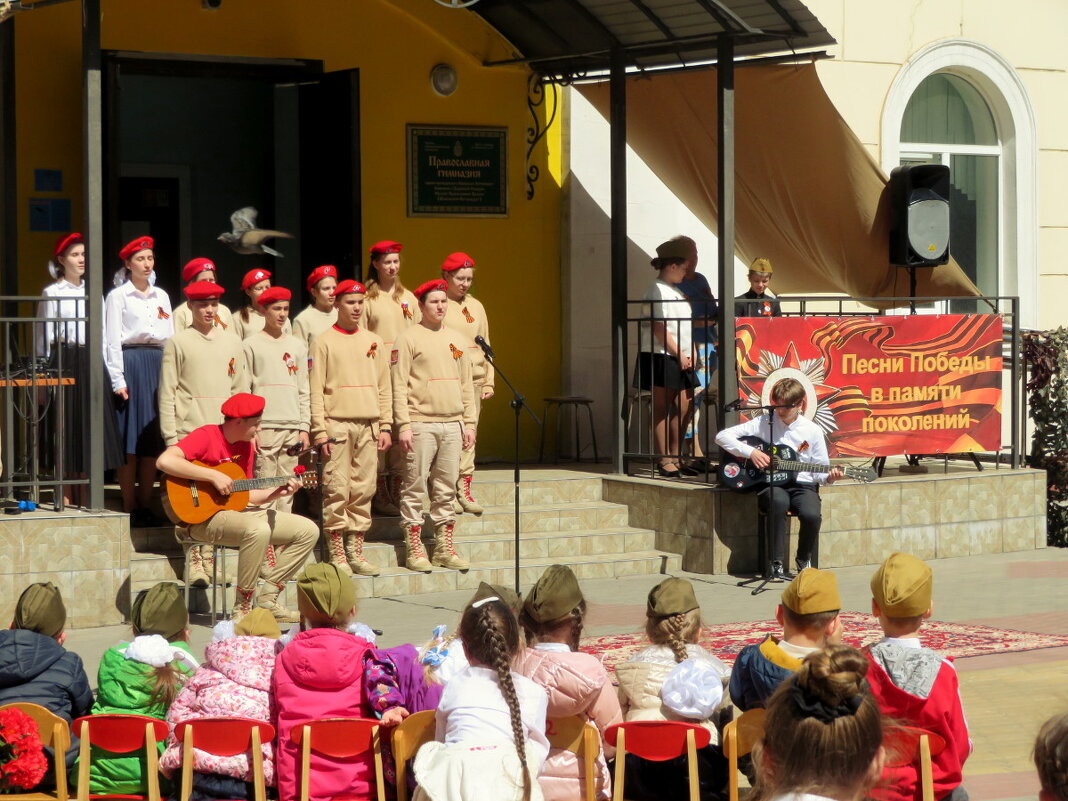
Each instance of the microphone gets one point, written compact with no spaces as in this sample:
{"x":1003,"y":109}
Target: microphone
{"x":482,"y":343}
{"x":733,"y":405}
{"x":296,"y":449}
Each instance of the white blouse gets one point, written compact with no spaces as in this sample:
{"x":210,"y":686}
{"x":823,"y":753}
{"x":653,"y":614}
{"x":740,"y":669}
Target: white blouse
{"x":671,"y":307}
{"x":66,"y":301}
{"x":132,"y":317}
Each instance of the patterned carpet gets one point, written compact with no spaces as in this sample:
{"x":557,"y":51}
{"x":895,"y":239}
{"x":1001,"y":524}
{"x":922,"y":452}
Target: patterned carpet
{"x":725,"y":640}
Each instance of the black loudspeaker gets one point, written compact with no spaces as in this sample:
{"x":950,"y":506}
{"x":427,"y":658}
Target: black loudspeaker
{"x":919,"y":215}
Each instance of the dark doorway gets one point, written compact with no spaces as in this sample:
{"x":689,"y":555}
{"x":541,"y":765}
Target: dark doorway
{"x":190,"y":141}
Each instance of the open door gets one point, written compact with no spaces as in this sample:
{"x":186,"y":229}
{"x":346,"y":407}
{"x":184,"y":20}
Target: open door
{"x":330,"y":173}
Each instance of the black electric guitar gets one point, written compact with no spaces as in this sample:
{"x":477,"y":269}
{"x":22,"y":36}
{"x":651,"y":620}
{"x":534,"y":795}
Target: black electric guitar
{"x":741,"y":475}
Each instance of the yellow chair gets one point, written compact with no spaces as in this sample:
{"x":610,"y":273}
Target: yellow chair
{"x":339,"y":738}
{"x":739,"y":737}
{"x":55,"y":734}
{"x":908,"y":744}
{"x":581,"y":738}
{"x":408,"y":737}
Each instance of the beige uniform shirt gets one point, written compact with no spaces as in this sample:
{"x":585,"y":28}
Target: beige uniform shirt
{"x":432,"y":378}
{"x":310,"y":323}
{"x":245,"y":329}
{"x":388,"y":317}
{"x":198,"y":375}
{"x":350,"y":380}
{"x":278,"y":371}
{"x":469,"y":318}
{"x":183,"y":318}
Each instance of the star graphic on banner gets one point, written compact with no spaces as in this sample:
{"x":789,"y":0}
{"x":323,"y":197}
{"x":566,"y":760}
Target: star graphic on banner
{"x":812,"y":373}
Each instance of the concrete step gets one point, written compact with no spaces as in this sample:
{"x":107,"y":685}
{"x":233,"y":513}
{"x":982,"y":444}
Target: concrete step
{"x":555,"y":516}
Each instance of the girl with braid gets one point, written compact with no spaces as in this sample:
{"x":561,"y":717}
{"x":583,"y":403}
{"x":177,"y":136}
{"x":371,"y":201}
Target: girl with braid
{"x":577,"y":683}
{"x":491,"y":739}
{"x":674,"y":679}
{"x":823,"y":735}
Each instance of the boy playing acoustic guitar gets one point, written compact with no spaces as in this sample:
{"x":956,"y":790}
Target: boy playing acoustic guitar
{"x":800,"y":495}
{"x":252,"y":528}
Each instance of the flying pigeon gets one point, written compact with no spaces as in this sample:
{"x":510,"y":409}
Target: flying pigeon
{"x":246,"y":238}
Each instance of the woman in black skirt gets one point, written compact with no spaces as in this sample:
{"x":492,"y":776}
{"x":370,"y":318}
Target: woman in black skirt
{"x":61,"y":338}
{"x":138,"y":322}
{"x":665,"y":361}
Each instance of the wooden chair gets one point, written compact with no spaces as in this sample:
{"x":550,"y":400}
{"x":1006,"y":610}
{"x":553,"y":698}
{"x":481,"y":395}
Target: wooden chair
{"x":224,"y":737}
{"x":120,"y":734}
{"x":739,"y":737}
{"x":408,"y":737}
{"x":658,"y":741}
{"x":339,"y":738}
{"x":908,"y":744}
{"x":54,"y":734}
{"x":581,"y":738}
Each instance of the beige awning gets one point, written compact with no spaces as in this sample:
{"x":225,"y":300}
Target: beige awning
{"x":809,"y":195}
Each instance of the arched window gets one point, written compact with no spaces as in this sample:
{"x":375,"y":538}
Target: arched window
{"x":958,"y":102}
{"x":948,"y":122}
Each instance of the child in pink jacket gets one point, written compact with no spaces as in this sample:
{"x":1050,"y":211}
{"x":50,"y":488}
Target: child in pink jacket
{"x":577,"y":683}
{"x":234,"y":682}
{"x":320,"y":675}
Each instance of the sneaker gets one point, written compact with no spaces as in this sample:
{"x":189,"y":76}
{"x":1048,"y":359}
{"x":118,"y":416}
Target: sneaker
{"x":802,"y":564}
{"x":777,"y":571}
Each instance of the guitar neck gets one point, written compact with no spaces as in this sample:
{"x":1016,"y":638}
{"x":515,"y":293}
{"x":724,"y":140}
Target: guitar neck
{"x":802,"y":467}
{"x":246,"y":484}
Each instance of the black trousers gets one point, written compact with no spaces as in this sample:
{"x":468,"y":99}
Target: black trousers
{"x":804,"y":501}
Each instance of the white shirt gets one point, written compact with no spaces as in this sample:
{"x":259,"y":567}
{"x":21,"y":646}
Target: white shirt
{"x":473,"y":709}
{"x":134,"y":318}
{"x":802,"y":435}
{"x":66,"y":307}
{"x":672,"y":307}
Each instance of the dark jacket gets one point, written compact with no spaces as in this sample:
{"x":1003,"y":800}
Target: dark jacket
{"x":758,"y":671}
{"x":750,"y":304}
{"x":38,"y":670}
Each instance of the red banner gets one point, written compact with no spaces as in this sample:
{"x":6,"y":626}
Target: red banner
{"x":883,"y":386}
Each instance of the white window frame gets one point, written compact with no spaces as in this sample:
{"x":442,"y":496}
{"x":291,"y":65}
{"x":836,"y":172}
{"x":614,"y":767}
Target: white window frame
{"x":1006,"y":97}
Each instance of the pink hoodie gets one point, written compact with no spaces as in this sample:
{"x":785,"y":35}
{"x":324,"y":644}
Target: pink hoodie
{"x":320,"y":675}
{"x":234,"y":682}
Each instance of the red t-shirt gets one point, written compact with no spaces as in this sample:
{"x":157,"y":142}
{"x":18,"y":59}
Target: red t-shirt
{"x":208,"y":445}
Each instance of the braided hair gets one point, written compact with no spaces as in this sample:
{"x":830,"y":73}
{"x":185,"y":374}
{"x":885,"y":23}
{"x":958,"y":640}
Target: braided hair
{"x":550,"y":630}
{"x":1051,"y":756}
{"x":674,"y":631}
{"x":490,"y":635}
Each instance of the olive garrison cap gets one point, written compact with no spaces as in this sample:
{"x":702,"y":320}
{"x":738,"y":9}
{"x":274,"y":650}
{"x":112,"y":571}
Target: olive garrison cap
{"x":902,"y":586}
{"x":258,"y":623}
{"x":508,"y":597}
{"x":325,"y":594}
{"x":553,"y":595}
{"x":40,"y":608}
{"x":672,"y":249}
{"x":812,"y":591}
{"x":160,"y":610}
{"x":673,"y":596}
{"x":761,"y":266}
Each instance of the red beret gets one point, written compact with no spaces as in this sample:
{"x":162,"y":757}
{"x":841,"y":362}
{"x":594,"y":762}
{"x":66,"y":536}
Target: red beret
{"x":386,"y":246}
{"x":203,"y":290}
{"x":243,"y":404}
{"x":319,"y":273}
{"x":68,"y":241}
{"x":195,"y":267}
{"x":136,"y":246}
{"x":437,"y":285}
{"x":273,"y":295}
{"x":253,"y":277}
{"x":457,"y":261}
{"x":348,"y":287}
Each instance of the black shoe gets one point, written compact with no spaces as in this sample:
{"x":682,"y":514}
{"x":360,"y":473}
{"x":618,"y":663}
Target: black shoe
{"x":661,"y":470}
{"x":802,"y":564}
{"x":778,"y":571}
{"x":689,"y":470}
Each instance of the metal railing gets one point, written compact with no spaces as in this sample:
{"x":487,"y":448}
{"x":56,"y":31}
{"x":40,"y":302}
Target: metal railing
{"x":40,"y":379}
{"x":645,"y":446}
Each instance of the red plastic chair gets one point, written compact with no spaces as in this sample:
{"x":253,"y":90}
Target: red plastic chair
{"x":224,"y":737}
{"x":908,"y":744}
{"x":338,"y":738}
{"x":120,"y":734}
{"x":659,"y":741}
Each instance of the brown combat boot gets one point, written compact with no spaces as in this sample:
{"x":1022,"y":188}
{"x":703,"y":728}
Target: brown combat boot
{"x":268,"y":599}
{"x":354,"y":553}
{"x":242,"y":602}
{"x":445,"y":554}
{"x":415,"y":557}
{"x":336,"y":549}
{"x":383,"y":502}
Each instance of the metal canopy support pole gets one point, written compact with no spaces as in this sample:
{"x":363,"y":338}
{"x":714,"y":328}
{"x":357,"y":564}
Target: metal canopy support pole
{"x":9,"y":250}
{"x":618,"y":166}
{"x":93,"y":180}
{"x":728,"y":376}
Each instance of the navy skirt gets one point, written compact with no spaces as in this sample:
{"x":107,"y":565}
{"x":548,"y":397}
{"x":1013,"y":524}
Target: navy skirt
{"x":138,"y":416}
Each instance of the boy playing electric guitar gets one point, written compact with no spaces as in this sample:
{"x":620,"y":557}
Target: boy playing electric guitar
{"x":802,"y":494}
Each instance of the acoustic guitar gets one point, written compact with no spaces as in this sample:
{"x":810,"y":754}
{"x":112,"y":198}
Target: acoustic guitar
{"x":192,"y":502}
{"x":741,"y":475}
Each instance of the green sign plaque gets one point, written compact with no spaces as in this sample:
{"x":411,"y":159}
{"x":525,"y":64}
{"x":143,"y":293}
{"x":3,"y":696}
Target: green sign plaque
{"x":457,"y":171}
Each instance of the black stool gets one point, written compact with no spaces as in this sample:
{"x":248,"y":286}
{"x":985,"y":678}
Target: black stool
{"x":574,"y":401}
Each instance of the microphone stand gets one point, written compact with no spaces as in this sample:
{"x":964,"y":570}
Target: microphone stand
{"x":318,"y":459}
{"x":768,"y":576}
{"x":518,"y":403}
